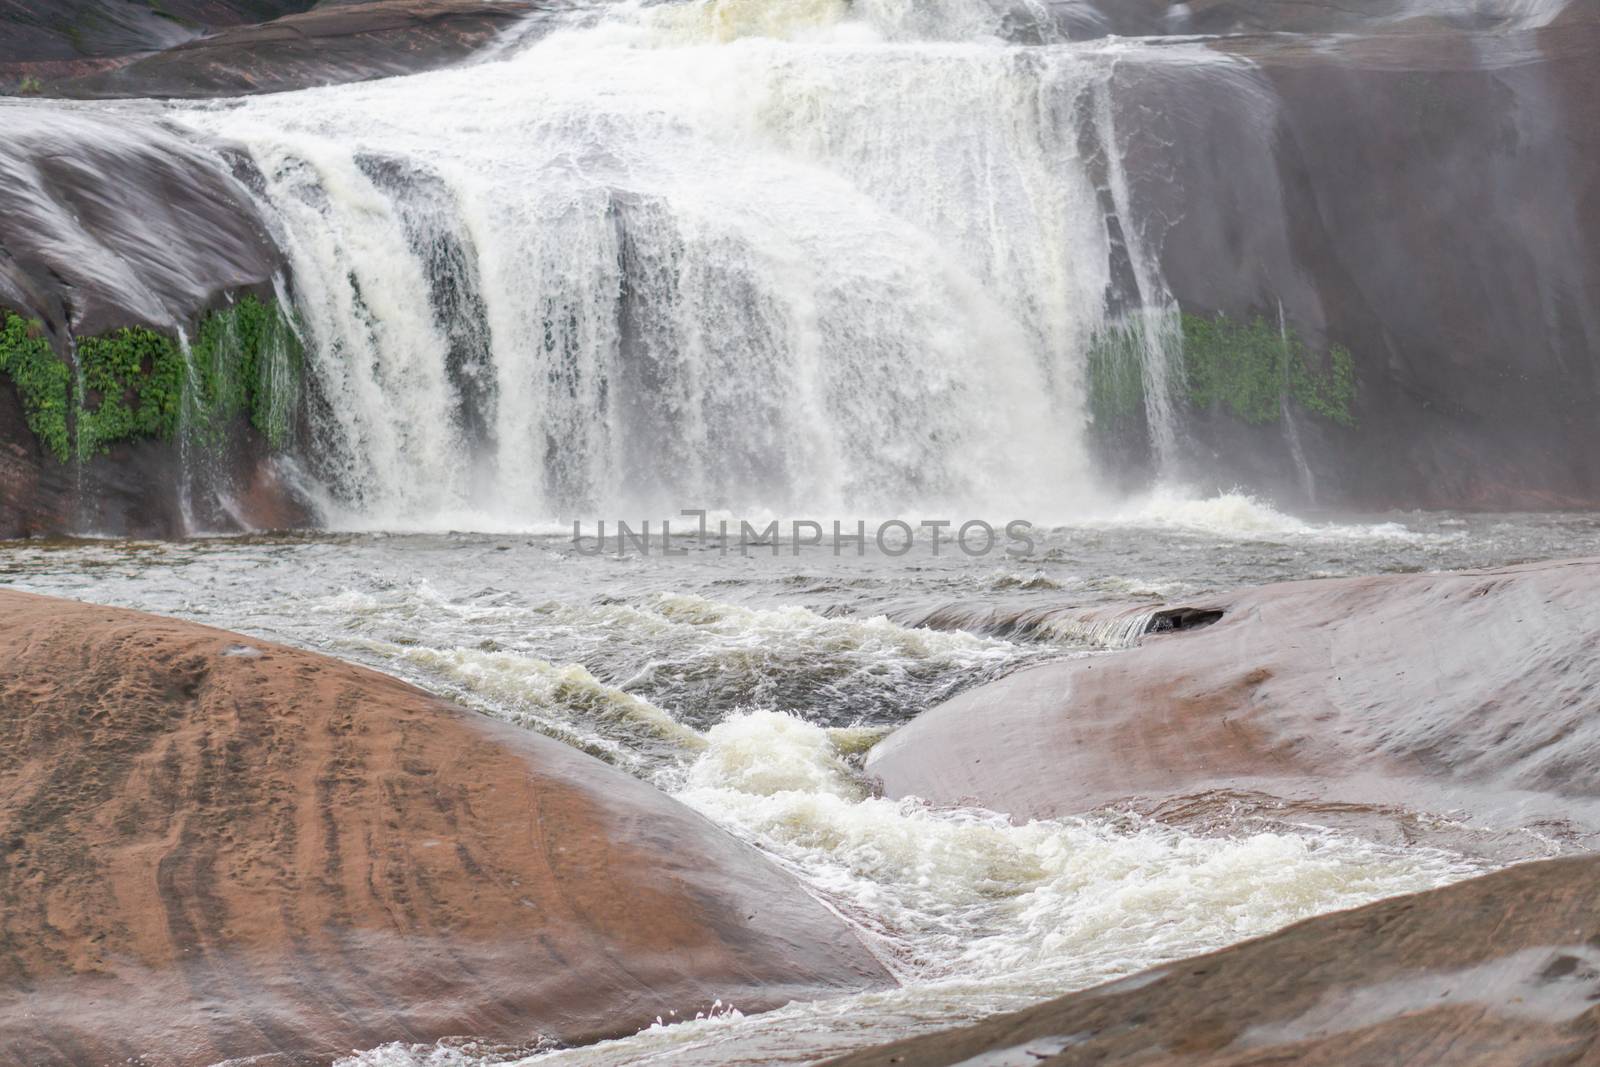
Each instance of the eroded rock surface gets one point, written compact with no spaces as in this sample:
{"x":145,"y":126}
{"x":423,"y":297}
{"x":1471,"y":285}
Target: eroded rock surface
{"x":67,"y":31}
{"x":217,"y":847}
{"x":1469,"y":693}
{"x":329,"y":45}
{"x":111,"y":218}
{"x":1498,"y":971}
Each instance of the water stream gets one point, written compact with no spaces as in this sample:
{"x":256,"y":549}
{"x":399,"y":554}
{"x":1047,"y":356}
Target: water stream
{"x":748,"y":685}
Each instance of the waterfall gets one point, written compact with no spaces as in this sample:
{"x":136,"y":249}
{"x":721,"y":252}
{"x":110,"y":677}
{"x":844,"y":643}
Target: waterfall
{"x":189,"y":417}
{"x":1291,"y":428}
{"x":783,"y":255}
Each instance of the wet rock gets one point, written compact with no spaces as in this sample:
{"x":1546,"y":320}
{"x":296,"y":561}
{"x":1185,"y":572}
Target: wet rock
{"x":329,"y":45}
{"x":1349,"y":700}
{"x":1080,"y":19}
{"x":108,"y":221}
{"x":72,"y":30}
{"x":1500,"y":970}
{"x":220,"y":848}
{"x":1426,"y":198}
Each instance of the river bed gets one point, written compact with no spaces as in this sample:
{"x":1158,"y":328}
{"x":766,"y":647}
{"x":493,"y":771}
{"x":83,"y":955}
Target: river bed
{"x":748,"y":683}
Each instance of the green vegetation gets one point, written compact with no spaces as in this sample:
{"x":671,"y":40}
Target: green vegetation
{"x":246,"y":359}
{"x":132,"y":387}
{"x":1247,"y":369}
{"x":136,"y":383}
{"x":42,"y":380}
{"x":1116,"y":376}
{"x":30,"y":86}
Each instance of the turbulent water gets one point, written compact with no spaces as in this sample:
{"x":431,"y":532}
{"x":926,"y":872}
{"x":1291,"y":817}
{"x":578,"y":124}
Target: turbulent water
{"x":749,"y":685}
{"x":734,"y":254}
{"x":778,"y":257}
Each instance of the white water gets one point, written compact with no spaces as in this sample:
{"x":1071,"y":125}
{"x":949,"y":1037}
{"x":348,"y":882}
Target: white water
{"x":776,"y":256}
{"x":748,"y":688}
{"x":739,"y":254}
{"x":974,"y":914}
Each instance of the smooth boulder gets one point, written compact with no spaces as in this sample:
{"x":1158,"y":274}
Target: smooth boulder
{"x":1469,"y":694}
{"x":216,"y":848}
{"x":328,"y":45}
{"x":1500,"y":971}
{"x":65,"y":32}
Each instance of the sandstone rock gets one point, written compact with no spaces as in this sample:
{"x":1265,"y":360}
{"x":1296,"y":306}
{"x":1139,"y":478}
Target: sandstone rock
{"x":108,"y":220}
{"x":1469,"y":693}
{"x":1498,"y":971}
{"x":215,"y":847}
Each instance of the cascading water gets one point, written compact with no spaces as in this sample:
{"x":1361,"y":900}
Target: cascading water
{"x":726,"y":254}
{"x":188,"y":419}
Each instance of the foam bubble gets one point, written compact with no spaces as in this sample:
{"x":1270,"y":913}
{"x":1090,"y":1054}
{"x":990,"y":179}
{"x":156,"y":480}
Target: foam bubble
{"x":970,"y":894}
{"x":766,"y":753}
{"x":1238,"y":514}
{"x":975,"y":913}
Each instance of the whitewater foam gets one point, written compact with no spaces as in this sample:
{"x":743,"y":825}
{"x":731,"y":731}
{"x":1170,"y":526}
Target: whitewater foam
{"x":1237,"y":514}
{"x":974,"y":913}
{"x":720,"y":254}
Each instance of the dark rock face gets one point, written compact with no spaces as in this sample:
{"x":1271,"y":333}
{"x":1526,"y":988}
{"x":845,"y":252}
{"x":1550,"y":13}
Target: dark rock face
{"x":218,"y":848}
{"x":1422,"y":196}
{"x":1463,"y":693}
{"x":1147,"y":18}
{"x":109,"y":221}
{"x":68,"y":30}
{"x":1499,"y":971}
{"x":326,"y":46}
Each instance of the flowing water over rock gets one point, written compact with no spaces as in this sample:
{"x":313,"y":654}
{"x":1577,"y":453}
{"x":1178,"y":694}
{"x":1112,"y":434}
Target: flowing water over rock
{"x":749,"y":687}
{"x":795,"y":258}
{"x":732,"y":255}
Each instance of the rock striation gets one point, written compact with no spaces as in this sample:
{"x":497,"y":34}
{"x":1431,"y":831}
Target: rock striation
{"x":329,"y":45}
{"x":215,"y":848}
{"x":1416,"y":188}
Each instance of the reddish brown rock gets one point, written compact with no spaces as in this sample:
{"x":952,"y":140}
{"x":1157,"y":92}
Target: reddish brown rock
{"x":215,"y":847}
{"x":1471,"y":693}
{"x":1501,"y":971}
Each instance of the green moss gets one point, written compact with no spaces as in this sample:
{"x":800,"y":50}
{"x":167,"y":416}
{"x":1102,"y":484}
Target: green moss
{"x":1243,"y":368}
{"x":1330,"y":393}
{"x":132,"y":387}
{"x":1247,"y":368}
{"x":246,"y":359}
{"x":136,"y":382}
{"x":42,"y":380}
{"x":1115,"y":373}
